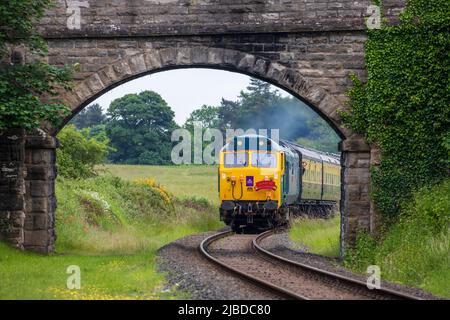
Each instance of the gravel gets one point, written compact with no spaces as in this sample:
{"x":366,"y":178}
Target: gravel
{"x":188,"y":271}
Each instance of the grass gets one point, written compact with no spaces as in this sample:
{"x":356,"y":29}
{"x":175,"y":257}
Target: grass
{"x":112,"y":230}
{"x":319,"y":236}
{"x":183,"y":181}
{"x":32,"y":276}
{"x":416,"y":250}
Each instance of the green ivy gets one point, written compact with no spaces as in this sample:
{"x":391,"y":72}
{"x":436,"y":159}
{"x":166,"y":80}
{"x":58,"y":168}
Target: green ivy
{"x":404,"y":105}
{"x":28,"y":89}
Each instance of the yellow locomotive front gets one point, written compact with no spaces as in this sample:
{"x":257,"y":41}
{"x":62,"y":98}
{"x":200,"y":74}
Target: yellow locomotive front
{"x":250,"y":174}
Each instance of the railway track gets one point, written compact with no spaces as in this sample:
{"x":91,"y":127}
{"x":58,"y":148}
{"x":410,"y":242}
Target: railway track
{"x":243,"y":256}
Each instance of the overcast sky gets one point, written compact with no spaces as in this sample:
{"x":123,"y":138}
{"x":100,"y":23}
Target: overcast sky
{"x":184,"y":89}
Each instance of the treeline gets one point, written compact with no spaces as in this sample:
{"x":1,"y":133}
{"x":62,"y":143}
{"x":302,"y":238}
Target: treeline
{"x":136,"y":129}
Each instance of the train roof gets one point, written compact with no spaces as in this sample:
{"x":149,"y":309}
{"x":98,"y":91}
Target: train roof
{"x":284,"y":145}
{"x":311,"y":153}
{"x":233,"y":144}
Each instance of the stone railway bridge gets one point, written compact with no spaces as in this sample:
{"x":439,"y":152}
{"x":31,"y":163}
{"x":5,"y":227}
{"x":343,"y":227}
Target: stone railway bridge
{"x":307,"y":47}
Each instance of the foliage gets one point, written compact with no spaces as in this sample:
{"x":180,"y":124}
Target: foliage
{"x":17,"y":19}
{"x":89,"y":117}
{"x":79,"y":154}
{"x":416,"y":250}
{"x":28,"y":90}
{"x":206,"y":116}
{"x":140,"y":127}
{"x":404,"y":106}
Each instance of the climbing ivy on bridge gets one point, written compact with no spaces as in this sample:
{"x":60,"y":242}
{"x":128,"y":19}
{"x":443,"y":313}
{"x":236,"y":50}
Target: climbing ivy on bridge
{"x":28,"y":90}
{"x":404,"y":105}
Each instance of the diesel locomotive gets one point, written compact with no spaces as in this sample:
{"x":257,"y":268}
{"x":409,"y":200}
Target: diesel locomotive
{"x":262,"y":184}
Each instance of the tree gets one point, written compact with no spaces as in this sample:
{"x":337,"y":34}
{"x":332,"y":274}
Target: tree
{"x":79,"y":154}
{"x":89,"y":117}
{"x":261,"y":107}
{"x":28,"y":89}
{"x":140,"y":127}
{"x":206,"y":116}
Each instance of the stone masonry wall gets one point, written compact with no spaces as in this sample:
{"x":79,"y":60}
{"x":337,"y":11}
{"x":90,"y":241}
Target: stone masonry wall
{"x":309,"y":47}
{"x":27,"y":197}
{"x":325,"y":58}
{"x":12,"y":187}
{"x":93,"y":18}
{"x":40,"y":199}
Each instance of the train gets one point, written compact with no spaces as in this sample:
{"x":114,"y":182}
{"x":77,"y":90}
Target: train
{"x":263,"y":184}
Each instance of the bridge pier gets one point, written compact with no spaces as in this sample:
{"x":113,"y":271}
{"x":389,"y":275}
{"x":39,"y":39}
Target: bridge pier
{"x":12,"y":187}
{"x":27,"y":190}
{"x":356,"y":206}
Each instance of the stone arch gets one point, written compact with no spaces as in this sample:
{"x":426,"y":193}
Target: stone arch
{"x":158,"y":60}
{"x":34,"y":211}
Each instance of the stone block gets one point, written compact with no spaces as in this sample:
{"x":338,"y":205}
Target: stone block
{"x":36,"y":238}
{"x":354,"y":145}
{"x":184,"y":56}
{"x":11,"y":202}
{"x":42,"y":157}
{"x":168,"y":57}
{"x":42,"y":188}
{"x":95,"y":84}
{"x":153,"y":60}
{"x":37,"y":221}
{"x":137,"y":64}
{"x":107,"y":75}
{"x":122,"y":69}
{"x":199,"y":55}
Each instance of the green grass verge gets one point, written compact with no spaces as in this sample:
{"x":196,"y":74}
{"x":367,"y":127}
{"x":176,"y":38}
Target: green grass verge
{"x":111,"y":229}
{"x":416,"y":250}
{"x":319,"y":236}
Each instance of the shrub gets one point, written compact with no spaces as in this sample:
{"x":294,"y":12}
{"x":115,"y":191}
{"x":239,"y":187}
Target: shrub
{"x":416,"y":250}
{"x":78,"y":155}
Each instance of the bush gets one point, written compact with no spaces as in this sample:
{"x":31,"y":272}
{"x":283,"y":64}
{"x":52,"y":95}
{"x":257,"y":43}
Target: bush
{"x":106,"y":214}
{"x":78,"y":154}
{"x":416,"y":250}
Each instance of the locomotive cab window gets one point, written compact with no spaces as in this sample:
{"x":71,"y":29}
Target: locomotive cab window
{"x":264,"y":160}
{"x":234,"y":160}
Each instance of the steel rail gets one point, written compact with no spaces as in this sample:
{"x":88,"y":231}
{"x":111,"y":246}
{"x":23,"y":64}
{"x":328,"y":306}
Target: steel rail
{"x":255,"y":280}
{"x":351,"y":281}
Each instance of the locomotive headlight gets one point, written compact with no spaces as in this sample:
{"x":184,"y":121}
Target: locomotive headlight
{"x":266,"y":178}
{"x":275,"y":176}
{"x":224,"y":175}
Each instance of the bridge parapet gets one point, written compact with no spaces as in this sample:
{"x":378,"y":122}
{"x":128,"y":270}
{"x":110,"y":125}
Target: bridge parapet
{"x":113,"y":18}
